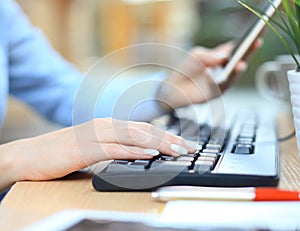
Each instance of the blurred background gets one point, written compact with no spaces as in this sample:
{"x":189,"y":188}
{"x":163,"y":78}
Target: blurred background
{"x":85,"y":30}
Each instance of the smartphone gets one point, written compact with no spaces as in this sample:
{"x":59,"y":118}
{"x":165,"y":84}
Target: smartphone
{"x":247,"y":40}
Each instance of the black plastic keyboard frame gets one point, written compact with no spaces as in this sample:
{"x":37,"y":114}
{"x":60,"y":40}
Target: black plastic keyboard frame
{"x":139,"y":181}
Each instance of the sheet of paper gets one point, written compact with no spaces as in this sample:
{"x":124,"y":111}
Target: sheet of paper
{"x":187,"y":215}
{"x":65,"y":220}
{"x":238,"y":215}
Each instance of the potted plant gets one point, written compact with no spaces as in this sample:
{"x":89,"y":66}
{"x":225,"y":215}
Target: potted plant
{"x":287,"y":22}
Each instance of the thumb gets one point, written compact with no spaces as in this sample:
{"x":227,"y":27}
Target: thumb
{"x":210,"y":57}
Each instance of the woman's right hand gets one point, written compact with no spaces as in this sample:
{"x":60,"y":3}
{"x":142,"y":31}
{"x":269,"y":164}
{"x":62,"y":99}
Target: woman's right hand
{"x":59,"y":153}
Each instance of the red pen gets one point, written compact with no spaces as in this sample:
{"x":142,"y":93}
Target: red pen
{"x":220,"y":193}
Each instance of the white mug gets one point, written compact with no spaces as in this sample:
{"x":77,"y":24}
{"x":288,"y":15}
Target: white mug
{"x":271,"y":78}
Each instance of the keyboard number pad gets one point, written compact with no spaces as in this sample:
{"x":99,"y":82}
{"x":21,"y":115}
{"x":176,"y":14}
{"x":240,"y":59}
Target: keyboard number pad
{"x":245,"y":140}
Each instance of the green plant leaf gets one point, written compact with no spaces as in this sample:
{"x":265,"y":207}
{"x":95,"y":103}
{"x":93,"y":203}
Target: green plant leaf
{"x":285,"y":28}
{"x":293,"y":15}
{"x":297,"y":2}
{"x":290,"y":13}
{"x":283,"y":25}
{"x":297,"y":10}
{"x":275,"y":30}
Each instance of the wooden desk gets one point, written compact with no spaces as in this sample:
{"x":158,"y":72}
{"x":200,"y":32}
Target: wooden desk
{"x":31,"y":201}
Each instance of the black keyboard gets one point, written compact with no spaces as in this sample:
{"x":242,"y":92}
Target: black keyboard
{"x":244,"y":153}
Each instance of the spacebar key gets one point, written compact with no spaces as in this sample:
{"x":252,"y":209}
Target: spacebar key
{"x":113,"y":168}
{"x":170,"y":166}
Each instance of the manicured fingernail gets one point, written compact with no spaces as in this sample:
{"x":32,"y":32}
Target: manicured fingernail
{"x":260,"y":41}
{"x":179,"y":149}
{"x":222,"y":55}
{"x":192,"y":145}
{"x":152,"y":152}
{"x":243,"y":66}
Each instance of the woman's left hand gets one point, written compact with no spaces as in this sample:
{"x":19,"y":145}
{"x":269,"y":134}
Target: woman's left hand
{"x":195,"y":84}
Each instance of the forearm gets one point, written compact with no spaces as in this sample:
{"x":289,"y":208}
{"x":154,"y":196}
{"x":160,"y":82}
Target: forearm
{"x":61,"y":152}
{"x":130,"y":98}
{"x":8,"y":167}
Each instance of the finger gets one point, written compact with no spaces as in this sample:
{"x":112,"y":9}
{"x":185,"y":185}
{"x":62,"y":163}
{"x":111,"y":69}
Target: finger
{"x":167,"y":141}
{"x":241,"y":67}
{"x":211,"y":57}
{"x":225,"y":47}
{"x":123,"y":152}
{"x":146,"y":135}
{"x":256,"y":45}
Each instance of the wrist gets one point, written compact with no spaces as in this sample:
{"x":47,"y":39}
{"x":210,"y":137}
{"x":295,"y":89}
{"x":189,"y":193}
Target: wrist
{"x":163,"y":97}
{"x":8,"y":166}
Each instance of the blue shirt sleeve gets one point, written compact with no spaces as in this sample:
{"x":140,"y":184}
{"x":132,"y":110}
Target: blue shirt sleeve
{"x":131,"y":98}
{"x":40,"y":77}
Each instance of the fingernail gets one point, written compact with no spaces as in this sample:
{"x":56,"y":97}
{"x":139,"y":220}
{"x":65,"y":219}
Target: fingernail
{"x":260,"y":40}
{"x":222,"y":55}
{"x":152,"y":152}
{"x":192,"y":145}
{"x":243,"y":66}
{"x":179,"y":149}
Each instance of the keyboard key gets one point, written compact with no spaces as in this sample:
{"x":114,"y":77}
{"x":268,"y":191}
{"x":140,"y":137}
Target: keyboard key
{"x":214,"y":146}
{"x":245,"y":140}
{"x":170,"y":166}
{"x":214,"y":155}
{"x":140,"y":162}
{"x":205,"y":162}
{"x":167,"y":158}
{"x":206,"y":150}
{"x":124,"y":162}
{"x":124,"y":168}
{"x":247,"y":135}
{"x":185,"y":158}
{"x":203,"y":166}
{"x":243,"y":149}
{"x":206,"y":158}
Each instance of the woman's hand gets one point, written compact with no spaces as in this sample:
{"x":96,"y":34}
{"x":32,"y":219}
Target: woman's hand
{"x":64,"y":151}
{"x":195,"y":82}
